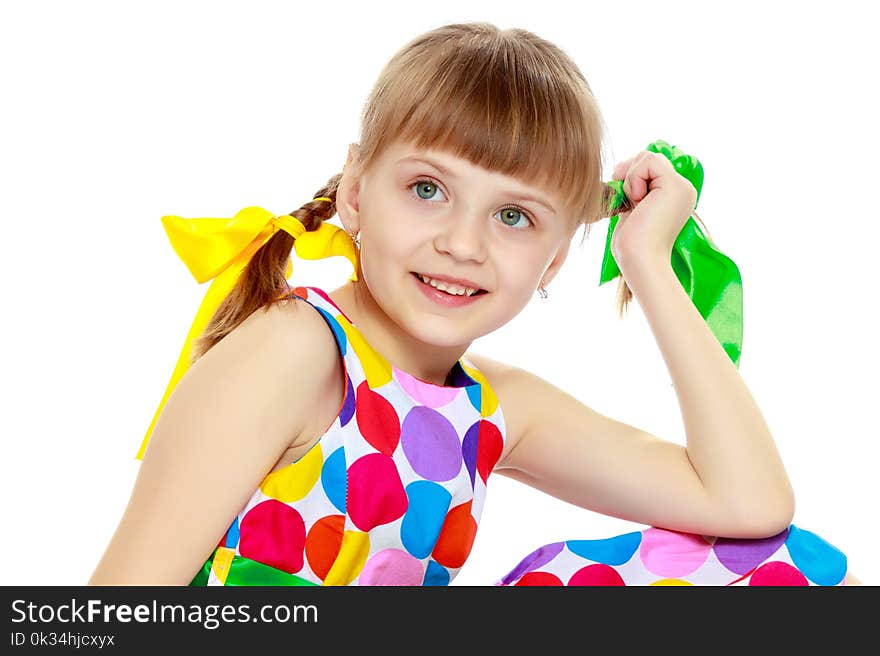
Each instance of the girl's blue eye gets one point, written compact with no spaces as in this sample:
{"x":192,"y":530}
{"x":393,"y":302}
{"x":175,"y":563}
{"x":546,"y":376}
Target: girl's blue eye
{"x":510,"y":216}
{"x":425,"y":189}
{"x":514,"y":214}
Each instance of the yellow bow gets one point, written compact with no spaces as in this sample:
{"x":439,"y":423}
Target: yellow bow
{"x":221,"y":248}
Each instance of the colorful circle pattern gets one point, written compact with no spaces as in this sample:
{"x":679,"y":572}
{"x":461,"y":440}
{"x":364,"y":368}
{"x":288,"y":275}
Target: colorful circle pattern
{"x":656,"y":556}
{"x":392,"y":492}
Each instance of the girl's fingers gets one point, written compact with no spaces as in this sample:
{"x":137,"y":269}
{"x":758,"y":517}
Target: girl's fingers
{"x":638,"y":177}
{"x":621,"y":169}
{"x":635,"y":184}
{"x":633,"y":172}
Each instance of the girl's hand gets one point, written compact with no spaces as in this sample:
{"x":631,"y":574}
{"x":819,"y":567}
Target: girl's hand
{"x":663,"y":199}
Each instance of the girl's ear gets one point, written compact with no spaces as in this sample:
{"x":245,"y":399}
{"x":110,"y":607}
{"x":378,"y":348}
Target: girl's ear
{"x":353,"y":153}
{"x":347,"y":205}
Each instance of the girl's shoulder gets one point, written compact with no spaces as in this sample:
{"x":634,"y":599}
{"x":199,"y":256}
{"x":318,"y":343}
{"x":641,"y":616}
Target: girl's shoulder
{"x":321,"y":375}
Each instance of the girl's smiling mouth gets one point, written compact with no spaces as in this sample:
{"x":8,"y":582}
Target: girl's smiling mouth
{"x":445,"y":298}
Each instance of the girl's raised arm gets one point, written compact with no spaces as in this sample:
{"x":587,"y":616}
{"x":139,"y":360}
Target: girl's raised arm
{"x":233,"y":414}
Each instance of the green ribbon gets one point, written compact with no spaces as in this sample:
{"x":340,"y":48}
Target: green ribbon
{"x":246,"y":572}
{"x":710,"y":278}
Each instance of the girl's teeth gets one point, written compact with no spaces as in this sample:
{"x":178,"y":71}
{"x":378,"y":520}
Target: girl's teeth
{"x":455,"y":291}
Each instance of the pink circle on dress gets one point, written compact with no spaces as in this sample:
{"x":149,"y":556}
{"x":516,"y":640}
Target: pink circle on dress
{"x":392,"y":567}
{"x":375,"y":492}
{"x":778,"y":573}
{"x":425,"y":393}
{"x":672,"y":554}
{"x":598,"y":574}
{"x":275,"y":534}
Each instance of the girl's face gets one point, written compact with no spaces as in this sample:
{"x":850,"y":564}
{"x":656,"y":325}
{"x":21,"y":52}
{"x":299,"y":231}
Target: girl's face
{"x":430,"y":212}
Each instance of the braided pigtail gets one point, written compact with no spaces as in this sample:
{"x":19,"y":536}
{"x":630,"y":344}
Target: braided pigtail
{"x":263,"y":280}
{"x":624,"y":296}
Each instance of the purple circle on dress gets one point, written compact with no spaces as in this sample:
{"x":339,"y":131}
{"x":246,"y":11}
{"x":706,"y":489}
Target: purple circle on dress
{"x":741,"y":555}
{"x":348,"y":405}
{"x":431,"y":444}
{"x":469,"y":449}
{"x":538,"y":558}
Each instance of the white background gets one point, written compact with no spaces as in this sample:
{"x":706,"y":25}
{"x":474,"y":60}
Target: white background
{"x":114,"y":114}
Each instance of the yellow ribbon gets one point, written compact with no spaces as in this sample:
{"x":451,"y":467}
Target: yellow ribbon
{"x":221,"y":248}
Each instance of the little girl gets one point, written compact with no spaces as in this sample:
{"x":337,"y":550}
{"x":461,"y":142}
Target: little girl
{"x":346,"y":437}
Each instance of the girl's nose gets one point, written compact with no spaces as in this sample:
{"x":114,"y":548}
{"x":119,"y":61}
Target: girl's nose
{"x":463,"y":236}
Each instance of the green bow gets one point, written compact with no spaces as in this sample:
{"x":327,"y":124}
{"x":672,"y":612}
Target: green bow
{"x":710,"y":278}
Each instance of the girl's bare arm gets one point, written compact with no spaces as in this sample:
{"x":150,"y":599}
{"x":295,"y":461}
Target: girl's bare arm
{"x":231,"y":416}
{"x":728,"y":481}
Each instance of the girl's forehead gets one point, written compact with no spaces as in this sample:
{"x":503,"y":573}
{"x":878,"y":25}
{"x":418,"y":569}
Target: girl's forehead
{"x":401,"y":150}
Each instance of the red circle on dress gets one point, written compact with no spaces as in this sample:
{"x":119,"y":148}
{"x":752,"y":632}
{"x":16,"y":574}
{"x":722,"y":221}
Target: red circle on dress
{"x":539,"y":578}
{"x":456,"y":537}
{"x":323,"y":543}
{"x":377,"y":419}
{"x":489,"y":445}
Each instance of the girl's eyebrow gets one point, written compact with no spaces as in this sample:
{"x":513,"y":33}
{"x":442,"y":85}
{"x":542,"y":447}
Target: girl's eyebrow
{"x":446,"y":172}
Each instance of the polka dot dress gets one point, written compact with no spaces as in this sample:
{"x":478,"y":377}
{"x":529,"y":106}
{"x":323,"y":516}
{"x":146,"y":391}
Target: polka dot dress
{"x":390,"y":494}
{"x":657,"y":556}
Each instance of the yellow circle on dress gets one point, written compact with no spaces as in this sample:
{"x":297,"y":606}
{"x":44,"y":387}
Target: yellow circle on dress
{"x":488,"y":401}
{"x":671,"y":582}
{"x":376,"y":368}
{"x":293,"y":482}
{"x":351,"y":559}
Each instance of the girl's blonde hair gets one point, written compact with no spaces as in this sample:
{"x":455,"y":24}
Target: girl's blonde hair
{"x":505,"y":100}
